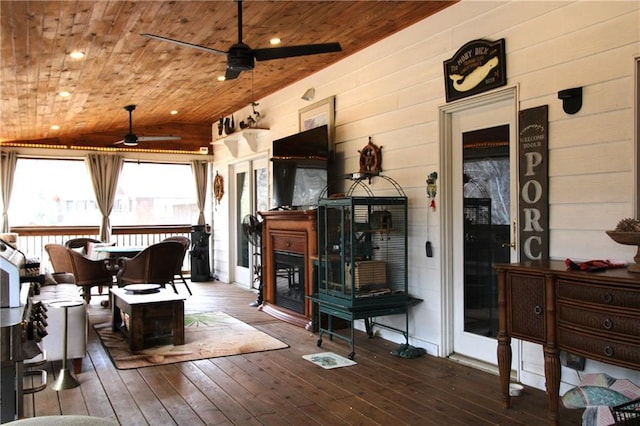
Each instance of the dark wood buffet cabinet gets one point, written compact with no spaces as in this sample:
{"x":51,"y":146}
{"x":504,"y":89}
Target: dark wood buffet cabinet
{"x":593,"y":314}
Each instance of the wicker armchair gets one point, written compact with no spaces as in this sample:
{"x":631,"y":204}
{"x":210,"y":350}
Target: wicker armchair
{"x":156,"y":265}
{"x":186,"y":243}
{"x":87,"y":273}
{"x":59,"y":258}
{"x":85,"y":246}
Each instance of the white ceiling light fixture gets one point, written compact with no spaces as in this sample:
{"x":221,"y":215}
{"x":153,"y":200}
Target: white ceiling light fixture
{"x":76,"y":54}
{"x":55,"y":127}
{"x":309,"y":94}
{"x":221,"y":78}
{"x":275,"y":40}
{"x":174,"y":112}
{"x":64,"y":94}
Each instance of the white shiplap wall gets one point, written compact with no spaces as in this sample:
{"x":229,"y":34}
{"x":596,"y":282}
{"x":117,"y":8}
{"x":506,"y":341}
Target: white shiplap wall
{"x":392,"y":91}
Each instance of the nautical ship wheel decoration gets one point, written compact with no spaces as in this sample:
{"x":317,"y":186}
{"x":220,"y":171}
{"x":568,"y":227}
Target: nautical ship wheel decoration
{"x":370,"y":160}
{"x":218,"y":187}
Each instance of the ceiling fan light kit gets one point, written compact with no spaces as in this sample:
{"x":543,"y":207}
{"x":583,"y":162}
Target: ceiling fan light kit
{"x":130,"y":140}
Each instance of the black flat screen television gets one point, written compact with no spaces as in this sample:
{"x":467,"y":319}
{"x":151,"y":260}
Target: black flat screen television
{"x":300,"y":169}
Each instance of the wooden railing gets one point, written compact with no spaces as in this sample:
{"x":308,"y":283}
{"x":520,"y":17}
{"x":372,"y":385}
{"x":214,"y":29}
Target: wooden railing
{"x":32,"y":239}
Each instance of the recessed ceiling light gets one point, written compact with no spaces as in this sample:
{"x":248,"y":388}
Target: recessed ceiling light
{"x":275,"y":40}
{"x":221,"y":78}
{"x":76,"y":54}
{"x":65,"y":94}
{"x":55,"y":127}
{"x":174,"y":112}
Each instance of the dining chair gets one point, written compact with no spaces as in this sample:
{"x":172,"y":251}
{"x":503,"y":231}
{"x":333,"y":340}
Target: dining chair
{"x":86,"y":246}
{"x":86,"y":272}
{"x":59,"y":258}
{"x":186,"y":243}
{"x":155,"y":264}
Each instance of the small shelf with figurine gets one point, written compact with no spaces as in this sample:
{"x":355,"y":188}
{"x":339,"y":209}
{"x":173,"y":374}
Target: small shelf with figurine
{"x":249,"y":136}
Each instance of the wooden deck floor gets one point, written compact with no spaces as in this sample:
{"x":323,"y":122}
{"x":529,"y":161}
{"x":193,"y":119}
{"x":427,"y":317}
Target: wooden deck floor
{"x":279,"y":387}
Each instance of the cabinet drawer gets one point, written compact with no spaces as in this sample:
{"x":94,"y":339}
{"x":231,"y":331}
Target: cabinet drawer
{"x":289,"y":243}
{"x":526,"y":307}
{"x":603,"y":321}
{"x":599,"y":294}
{"x":601,"y":349}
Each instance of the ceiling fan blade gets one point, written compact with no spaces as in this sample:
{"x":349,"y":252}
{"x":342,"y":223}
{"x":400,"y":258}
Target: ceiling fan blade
{"x":158,"y":138}
{"x":231,"y":74}
{"x":291,"y":51}
{"x":185,"y":44}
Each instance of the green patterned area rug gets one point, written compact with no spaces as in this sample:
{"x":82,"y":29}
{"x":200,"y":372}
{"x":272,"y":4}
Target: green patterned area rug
{"x":207,"y":335}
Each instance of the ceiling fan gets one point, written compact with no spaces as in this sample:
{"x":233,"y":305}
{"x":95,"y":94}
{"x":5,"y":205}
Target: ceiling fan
{"x":241,"y":57}
{"x":130,"y":139}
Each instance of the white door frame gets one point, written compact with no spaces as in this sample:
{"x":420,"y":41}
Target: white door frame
{"x":247,"y":165}
{"x":235,"y":275}
{"x":446,"y":215}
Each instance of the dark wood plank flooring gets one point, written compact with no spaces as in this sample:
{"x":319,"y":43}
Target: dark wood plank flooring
{"x":279,"y":387}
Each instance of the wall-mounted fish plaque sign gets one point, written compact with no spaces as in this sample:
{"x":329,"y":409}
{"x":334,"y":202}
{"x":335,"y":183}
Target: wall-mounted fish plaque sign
{"x":478,"y":66}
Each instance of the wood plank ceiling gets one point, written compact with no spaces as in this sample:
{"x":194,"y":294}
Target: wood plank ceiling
{"x":121,"y":67}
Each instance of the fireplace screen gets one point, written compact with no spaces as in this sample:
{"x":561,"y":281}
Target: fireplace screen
{"x":289,"y":279}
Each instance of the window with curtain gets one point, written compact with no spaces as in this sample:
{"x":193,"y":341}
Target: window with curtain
{"x":49,"y":192}
{"x":52,"y":192}
{"x":155,"y":194}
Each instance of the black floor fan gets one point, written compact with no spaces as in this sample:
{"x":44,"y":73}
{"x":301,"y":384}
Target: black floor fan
{"x":252,"y":228}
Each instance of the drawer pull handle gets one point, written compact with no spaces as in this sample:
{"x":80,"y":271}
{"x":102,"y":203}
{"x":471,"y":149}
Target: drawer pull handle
{"x":608,"y":351}
{"x":537,"y":310}
{"x":608,"y":297}
{"x":607,"y":324}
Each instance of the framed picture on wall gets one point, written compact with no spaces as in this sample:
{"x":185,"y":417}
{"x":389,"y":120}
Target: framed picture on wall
{"x":319,"y":114}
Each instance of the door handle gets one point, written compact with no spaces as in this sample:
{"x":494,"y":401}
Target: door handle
{"x":512,"y":244}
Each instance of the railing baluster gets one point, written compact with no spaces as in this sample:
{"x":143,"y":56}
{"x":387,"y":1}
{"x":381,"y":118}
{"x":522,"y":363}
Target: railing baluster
{"x":31,"y":240}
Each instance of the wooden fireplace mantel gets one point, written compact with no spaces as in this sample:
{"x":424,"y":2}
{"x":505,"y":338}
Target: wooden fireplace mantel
{"x":292,"y":231}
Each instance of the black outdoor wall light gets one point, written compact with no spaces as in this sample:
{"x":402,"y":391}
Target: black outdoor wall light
{"x":571,"y":99}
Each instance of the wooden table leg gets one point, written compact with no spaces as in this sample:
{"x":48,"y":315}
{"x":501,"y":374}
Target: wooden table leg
{"x":116,"y":319}
{"x":504,"y":340}
{"x":136,"y":328}
{"x":178,"y":322}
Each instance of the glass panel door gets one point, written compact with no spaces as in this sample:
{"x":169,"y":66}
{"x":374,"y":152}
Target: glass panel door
{"x":242,"y":193}
{"x":251,"y":193}
{"x":483,"y":138}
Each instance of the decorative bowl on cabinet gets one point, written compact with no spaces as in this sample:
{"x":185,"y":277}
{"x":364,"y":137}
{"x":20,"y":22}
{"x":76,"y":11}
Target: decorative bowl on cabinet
{"x":630,"y":239}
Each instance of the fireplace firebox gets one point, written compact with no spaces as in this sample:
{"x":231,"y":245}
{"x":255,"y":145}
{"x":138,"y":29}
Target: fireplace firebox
{"x":289,"y":280}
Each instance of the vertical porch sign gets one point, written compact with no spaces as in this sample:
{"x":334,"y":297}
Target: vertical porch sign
{"x":476,"y":67}
{"x":534,"y":183}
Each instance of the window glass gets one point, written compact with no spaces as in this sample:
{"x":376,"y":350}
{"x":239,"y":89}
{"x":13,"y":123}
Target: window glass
{"x":155,"y":194}
{"x":52,"y":192}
